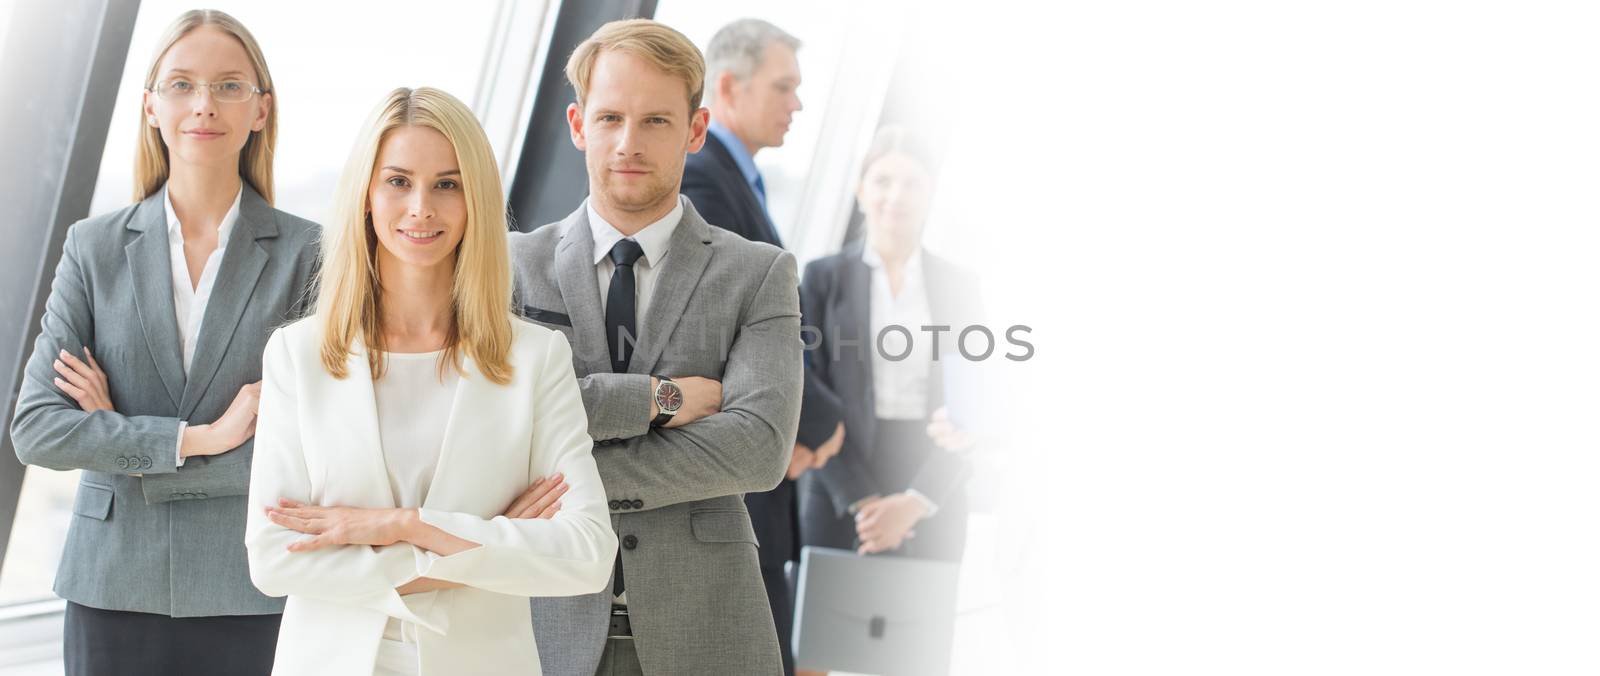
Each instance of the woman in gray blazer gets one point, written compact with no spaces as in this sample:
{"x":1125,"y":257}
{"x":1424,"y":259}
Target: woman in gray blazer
{"x":145,"y":374}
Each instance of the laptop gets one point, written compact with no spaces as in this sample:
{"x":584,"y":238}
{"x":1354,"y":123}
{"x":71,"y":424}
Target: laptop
{"x":883,"y":615}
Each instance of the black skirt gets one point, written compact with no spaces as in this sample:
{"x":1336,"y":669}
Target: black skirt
{"x":113,"y":642}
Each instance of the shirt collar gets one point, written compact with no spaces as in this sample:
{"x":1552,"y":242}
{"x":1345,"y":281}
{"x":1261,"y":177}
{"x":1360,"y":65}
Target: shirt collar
{"x":741,"y":156}
{"x":655,"y":238}
{"x":224,"y":229}
{"x":870,"y":256}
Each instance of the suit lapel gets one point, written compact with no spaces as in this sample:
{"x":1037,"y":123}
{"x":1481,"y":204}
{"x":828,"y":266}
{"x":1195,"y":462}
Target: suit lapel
{"x":150,"y":262}
{"x":942,"y":300}
{"x":752,"y":203}
{"x":855,"y":312}
{"x":473,"y":393}
{"x":580,"y":291}
{"x":674,"y":284}
{"x":947,"y":305}
{"x":355,"y":438}
{"x":242,"y":263}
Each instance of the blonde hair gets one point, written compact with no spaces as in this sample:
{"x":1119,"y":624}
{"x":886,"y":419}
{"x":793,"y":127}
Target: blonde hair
{"x":652,"y":41}
{"x":151,"y":165}
{"x":349,"y":292}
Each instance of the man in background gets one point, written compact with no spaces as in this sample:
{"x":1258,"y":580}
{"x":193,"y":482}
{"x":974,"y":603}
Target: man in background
{"x":752,"y":78}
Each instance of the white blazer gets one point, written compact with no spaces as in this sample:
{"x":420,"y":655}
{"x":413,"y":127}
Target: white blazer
{"x":317,"y":443}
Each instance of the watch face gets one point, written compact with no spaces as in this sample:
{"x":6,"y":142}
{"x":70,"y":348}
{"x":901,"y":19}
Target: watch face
{"x":669,"y":397}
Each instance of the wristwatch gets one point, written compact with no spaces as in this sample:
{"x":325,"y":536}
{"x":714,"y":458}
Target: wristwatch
{"x":669,"y":398}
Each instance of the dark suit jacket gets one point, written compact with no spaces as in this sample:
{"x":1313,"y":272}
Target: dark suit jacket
{"x":836,"y":297}
{"x":713,"y":182}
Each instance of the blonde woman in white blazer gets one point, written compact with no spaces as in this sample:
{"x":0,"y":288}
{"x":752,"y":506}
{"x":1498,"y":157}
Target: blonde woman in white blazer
{"x":422,"y":463}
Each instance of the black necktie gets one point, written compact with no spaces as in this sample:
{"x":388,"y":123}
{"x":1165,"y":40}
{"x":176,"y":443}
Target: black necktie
{"x":620,"y":311}
{"x":620,"y":304}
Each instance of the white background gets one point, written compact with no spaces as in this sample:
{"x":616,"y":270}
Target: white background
{"x":1319,"y":386}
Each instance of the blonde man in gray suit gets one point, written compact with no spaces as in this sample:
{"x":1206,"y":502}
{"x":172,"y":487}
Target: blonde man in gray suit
{"x":688,"y":357}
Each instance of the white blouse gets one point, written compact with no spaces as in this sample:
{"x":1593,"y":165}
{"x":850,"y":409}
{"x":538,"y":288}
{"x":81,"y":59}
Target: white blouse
{"x":413,"y":408}
{"x":191,"y":297}
{"x":900,"y":386}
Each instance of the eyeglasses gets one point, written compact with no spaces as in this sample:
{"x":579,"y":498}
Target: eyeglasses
{"x":226,"y":91}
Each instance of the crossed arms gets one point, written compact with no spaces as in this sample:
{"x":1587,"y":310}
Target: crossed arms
{"x":744,"y":446}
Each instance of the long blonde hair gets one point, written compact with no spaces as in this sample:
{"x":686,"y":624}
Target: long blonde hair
{"x":151,"y":165}
{"x":350,"y":293}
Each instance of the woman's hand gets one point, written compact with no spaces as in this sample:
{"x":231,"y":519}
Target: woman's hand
{"x":333,"y":526}
{"x":883,"y":525}
{"x":84,"y":382}
{"x":540,"y":501}
{"x":236,"y":425}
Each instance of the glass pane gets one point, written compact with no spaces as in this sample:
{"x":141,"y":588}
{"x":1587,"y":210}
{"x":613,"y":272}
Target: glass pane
{"x":37,"y":535}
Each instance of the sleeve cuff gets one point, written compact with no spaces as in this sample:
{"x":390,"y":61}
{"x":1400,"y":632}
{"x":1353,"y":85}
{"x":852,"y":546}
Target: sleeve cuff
{"x":926,"y":502}
{"x":457,"y":566}
{"x":857,"y":505}
{"x":400,"y":566}
{"x":177,"y":451}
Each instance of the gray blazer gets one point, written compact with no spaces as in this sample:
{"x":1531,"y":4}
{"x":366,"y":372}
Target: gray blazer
{"x":145,"y":535}
{"x":724,"y":308}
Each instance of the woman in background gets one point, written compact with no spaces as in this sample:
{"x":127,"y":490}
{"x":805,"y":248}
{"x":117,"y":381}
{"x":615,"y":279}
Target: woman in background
{"x":401,"y":424}
{"x":144,"y":375}
{"x":897,"y":485}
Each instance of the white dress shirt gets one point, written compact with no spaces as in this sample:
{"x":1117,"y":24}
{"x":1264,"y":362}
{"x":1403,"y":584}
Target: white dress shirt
{"x":414,"y":405}
{"x":190,"y":299}
{"x":900,"y":387}
{"x":654,"y":239}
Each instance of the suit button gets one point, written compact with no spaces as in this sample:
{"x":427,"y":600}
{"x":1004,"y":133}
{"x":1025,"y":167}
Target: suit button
{"x":638,"y":504}
{"x":629,"y":542}
{"x":122,"y":462}
{"x":616,"y":504}
{"x":145,"y":463}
